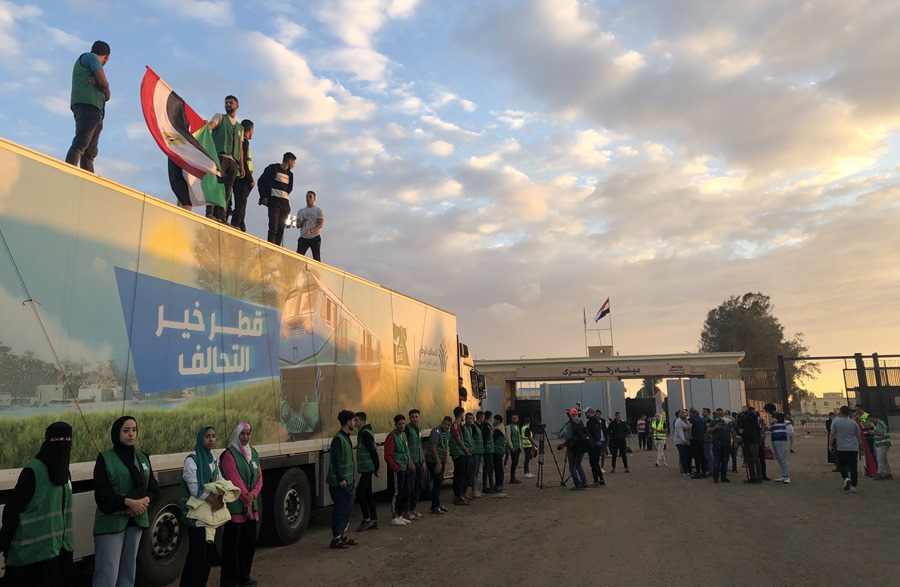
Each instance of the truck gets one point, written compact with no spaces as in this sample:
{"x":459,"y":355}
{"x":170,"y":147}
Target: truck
{"x":116,"y":302}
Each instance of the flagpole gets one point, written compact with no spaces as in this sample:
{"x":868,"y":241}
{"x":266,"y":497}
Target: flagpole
{"x":584,"y":319}
{"x":612,"y":341}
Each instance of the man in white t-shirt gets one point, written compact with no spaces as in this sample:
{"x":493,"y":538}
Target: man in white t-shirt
{"x":843,"y":438}
{"x":682,"y":435}
{"x":310,"y":221}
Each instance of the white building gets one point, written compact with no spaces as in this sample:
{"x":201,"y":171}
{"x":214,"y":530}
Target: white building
{"x":829,"y":402}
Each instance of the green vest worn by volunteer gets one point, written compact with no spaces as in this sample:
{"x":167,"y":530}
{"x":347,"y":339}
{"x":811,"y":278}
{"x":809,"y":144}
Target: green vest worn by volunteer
{"x":120,"y":481}
{"x":477,"y":441}
{"x":45,"y":526}
{"x":84,"y":92}
{"x":346,"y":462}
{"x":228,"y":137}
{"x":364,"y":462}
{"x":249,"y":473}
{"x":499,"y":445}
{"x":515,"y":439}
{"x":526,"y":436}
{"x":467,"y":438}
{"x":401,"y":450}
{"x":488,"y":435}
{"x":415,"y":444}
{"x":884,"y":439}
{"x":455,"y":449}
{"x":659,"y":430}
{"x":186,"y":492}
{"x":443,"y":447}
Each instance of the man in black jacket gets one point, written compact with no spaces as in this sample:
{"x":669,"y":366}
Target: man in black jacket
{"x":275,"y":186}
{"x":618,"y":433}
{"x":597,"y":429}
{"x":244,"y":183}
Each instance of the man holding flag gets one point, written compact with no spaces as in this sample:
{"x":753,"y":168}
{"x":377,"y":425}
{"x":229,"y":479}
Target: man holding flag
{"x":228,"y":136}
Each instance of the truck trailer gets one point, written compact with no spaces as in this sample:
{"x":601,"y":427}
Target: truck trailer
{"x":115,"y":302}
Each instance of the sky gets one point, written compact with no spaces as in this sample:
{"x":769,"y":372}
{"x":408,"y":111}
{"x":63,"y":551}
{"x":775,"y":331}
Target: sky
{"x":517,"y":162}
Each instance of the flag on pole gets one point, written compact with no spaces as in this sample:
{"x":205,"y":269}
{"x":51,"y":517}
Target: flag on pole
{"x":603,"y":311}
{"x":185,"y":138}
{"x":584,"y":316}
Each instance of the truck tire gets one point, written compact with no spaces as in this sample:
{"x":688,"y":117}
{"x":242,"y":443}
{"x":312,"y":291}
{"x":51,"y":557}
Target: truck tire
{"x":287,"y":501}
{"x":164,"y":544}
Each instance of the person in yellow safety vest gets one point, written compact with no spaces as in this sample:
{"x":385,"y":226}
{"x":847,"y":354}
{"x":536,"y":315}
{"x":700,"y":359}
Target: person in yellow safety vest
{"x":882,"y":446}
{"x":37,"y":538}
{"x":527,"y":446}
{"x":658,"y":427}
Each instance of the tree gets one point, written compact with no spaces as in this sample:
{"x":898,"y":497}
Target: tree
{"x":748,"y":323}
{"x":649,"y":387}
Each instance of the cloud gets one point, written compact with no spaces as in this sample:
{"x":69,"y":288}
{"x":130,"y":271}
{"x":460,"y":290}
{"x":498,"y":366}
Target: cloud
{"x":439,"y":149}
{"x":439,"y":124}
{"x":515,"y":119}
{"x":211,"y":12}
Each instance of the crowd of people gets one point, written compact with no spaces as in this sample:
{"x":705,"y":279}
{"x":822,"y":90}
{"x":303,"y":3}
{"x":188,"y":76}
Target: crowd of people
{"x":91,"y":92}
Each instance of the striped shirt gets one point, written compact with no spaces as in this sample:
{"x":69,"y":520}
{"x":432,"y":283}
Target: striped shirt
{"x":779,"y":431}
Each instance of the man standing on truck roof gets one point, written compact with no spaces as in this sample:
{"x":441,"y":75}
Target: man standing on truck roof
{"x":458,"y":452}
{"x":90,"y":93}
{"x":340,"y":478}
{"x":228,"y":136}
{"x":310,"y":221}
{"x":275,"y":186}
{"x":243,"y":184}
{"x":416,"y":464}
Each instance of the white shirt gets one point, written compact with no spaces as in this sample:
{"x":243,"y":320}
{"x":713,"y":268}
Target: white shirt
{"x":681,"y":431}
{"x":189,"y":474}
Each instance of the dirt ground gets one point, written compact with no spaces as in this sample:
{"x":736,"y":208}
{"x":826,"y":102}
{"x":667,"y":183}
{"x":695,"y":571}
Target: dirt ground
{"x":649,"y":527}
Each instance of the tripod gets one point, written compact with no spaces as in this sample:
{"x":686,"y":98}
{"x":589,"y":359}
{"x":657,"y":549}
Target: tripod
{"x":542,"y":439}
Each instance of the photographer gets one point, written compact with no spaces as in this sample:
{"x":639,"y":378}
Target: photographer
{"x":574,"y":453}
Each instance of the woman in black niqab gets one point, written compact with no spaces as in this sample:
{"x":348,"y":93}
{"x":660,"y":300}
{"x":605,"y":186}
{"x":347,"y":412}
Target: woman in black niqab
{"x":56,"y":451}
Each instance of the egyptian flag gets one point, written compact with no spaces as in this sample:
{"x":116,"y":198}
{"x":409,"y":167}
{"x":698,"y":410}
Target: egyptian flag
{"x":186,"y":139}
{"x":603,"y":311}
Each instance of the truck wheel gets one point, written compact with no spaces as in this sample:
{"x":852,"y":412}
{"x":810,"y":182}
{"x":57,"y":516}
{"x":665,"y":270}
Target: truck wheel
{"x":164,"y":544}
{"x":287,"y":502}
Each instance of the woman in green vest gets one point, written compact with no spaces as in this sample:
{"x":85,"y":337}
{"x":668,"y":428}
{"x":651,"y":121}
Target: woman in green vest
{"x":124,"y":488}
{"x":200,"y":468}
{"x":36,"y":539}
{"x":240,"y":465}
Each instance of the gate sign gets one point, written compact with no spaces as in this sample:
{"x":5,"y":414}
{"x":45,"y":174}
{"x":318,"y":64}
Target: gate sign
{"x":183,"y":337}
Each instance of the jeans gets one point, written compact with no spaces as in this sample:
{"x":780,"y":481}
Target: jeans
{"x":528,"y":452}
{"x":279,"y":210}
{"x":781,"y":447}
{"x":229,"y":169}
{"x":487,"y":472}
{"x":884,"y":467}
{"x":88,"y":125}
{"x":684,"y":458}
{"x":416,"y":483}
{"x":460,"y":475}
{"x":721,"y":452}
{"x":238,"y":548}
{"x":791,"y":441}
{"x":594,"y":460}
{"x":574,"y":457}
{"x":661,"y":452}
{"x":115,"y":556}
{"x":477,"y":460}
{"x":846,"y":464}
{"x":241,"y":194}
{"x":366,"y":497}
{"x":400,"y":500}
{"x":437,"y":479}
{"x":697,"y":456}
{"x":513,"y":462}
{"x":617,"y":447}
{"x":642,"y":440}
{"x":751,"y":459}
{"x":498,"y":470}
{"x":343,"y":498}
{"x":709,"y":455}
{"x":315,"y":243}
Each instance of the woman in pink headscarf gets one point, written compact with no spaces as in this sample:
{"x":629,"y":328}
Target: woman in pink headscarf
{"x":239,"y":464}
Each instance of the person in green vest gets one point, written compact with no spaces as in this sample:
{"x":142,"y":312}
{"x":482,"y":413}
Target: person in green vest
{"x":396,"y":455}
{"x":243,"y":184}
{"x":484,"y":420}
{"x":341,"y":479}
{"x":514,"y":444}
{"x":882,"y":446}
{"x":90,"y":93}
{"x":228,"y":136}
{"x":436,"y":460}
{"x":477,"y":449}
{"x":124,"y":488}
{"x":200,"y":467}
{"x":367,"y":463}
{"x":527,"y":446}
{"x":459,"y":454}
{"x":240,"y":465}
{"x":37,"y":538}
{"x":500,"y":446}
{"x":416,"y":464}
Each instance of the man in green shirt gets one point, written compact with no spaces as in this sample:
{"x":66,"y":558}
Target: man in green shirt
{"x":416,"y":463}
{"x":722,"y":435}
{"x":514,"y":443}
{"x":90,"y":93}
{"x":228,"y":136}
{"x":341,"y":479}
{"x":882,"y":446}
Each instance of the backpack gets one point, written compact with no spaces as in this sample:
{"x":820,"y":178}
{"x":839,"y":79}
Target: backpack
{"x":581,"y":438}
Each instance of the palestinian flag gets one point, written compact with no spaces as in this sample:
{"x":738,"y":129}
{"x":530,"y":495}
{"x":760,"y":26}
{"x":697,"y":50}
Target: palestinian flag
{"x":186,"y":139}
{"x":603,"y":311}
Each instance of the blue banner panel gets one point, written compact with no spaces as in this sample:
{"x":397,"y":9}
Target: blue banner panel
{"x":182,"y":337}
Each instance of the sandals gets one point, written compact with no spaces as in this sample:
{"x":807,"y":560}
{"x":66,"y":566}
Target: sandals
{"x":338,"y":544}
